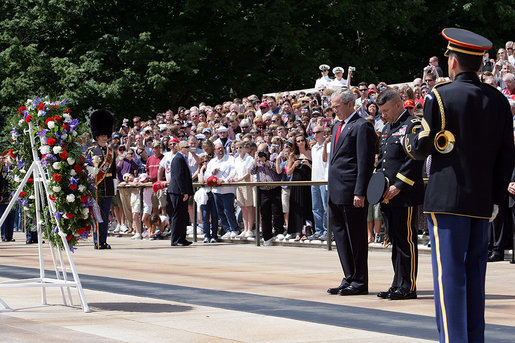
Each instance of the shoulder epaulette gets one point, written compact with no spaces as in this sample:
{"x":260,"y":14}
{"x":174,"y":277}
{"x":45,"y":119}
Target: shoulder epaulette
{"x":441,"y":83}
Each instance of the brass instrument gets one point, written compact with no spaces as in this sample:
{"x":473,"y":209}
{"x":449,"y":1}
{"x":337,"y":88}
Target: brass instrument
{"x":444,"y":139}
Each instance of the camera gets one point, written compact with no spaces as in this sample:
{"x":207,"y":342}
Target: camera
{"x":381,"y":88}
{"x":262,"y":154}
{"x":353,"y":68}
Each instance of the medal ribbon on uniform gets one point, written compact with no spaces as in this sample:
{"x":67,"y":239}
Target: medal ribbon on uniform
{"x":104,"y":166}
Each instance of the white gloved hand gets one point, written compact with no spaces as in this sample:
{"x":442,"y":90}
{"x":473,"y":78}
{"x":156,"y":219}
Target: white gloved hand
{"x":494,"y":213}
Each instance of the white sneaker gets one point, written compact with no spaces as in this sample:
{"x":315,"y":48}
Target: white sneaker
{"x":233,"y":234}
{"x":267,"y":242}
{"x":249,"y":234}
{"x":227,"y":235}
{"x":243,"y":234}
{"x":280,"y":236}
{"x":124,"y":229}
{"x":117,"y":229}
{"x":206,"y":240}
{"x":136,"y":236}
{"x":288,"y":236}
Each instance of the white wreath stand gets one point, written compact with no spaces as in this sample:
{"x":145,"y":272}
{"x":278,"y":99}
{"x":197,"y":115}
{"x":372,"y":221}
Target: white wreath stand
{"x":61,"y":279}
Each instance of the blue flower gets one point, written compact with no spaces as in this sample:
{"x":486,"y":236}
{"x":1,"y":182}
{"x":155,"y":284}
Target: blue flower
{"x":55,"y":229}
{"x":42,"y":133}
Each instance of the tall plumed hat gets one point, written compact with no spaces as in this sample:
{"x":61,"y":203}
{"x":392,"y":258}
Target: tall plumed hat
{"x":101,"y":122}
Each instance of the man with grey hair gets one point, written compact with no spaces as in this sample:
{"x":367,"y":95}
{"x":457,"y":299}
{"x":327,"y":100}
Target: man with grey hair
{"x":509,"y":81}
{"x":509,"y":51}
{"x":351,"y":163}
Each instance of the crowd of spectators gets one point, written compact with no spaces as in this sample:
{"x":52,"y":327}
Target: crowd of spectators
{"x":269,"y":138}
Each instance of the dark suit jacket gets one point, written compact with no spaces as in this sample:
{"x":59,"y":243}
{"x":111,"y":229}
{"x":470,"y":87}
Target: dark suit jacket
{"x":180,"y":180}
{"x":352,"y":160}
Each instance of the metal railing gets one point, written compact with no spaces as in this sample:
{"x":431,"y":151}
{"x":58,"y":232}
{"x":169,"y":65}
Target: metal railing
{"x":255,"y":185}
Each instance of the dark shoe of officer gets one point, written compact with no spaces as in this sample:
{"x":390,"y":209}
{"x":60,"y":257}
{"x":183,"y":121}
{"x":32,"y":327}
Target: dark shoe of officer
{"x":104,"y":246}
{"x":8,"y":240}
{"x":337,"y":290}
{"x":495,"y":258}
{"x":31,"y":241}
{"x":386,"y":295}
{"x":402,"y":294}
{"x":351,"y":290}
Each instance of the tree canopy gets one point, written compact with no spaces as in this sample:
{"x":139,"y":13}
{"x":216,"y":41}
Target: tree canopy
{"x":139,"y":58}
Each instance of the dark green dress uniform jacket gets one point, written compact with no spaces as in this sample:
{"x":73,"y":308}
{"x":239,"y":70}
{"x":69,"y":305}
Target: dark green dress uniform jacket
{"x":402,"y":171}
{"x":106,"y":187}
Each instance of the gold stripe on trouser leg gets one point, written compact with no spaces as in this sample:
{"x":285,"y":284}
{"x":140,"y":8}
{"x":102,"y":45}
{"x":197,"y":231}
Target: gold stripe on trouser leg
{"x":440,"y":281}
{"x":412,"y":250}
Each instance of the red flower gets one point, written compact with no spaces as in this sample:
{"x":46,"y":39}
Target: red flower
{"x":73,"y":187}
{"x":22,"y":194}
{"x":64,"y":154}
{"x":77,"y":168}
{"x":81,"y":230}
{"x":69,"y":238}
{"x":51,"y":141}
{"x":12,"y":154}
{"x":41,"y":106}
{"x":57,"y":118}
{"x":28,"y":118}
{"x":83,"y":198}
{"x":69,"y":215}
{"x":66,"y":127}
{"x":51,"y":197}
{"x":21,"y":109}
{"x":30,"y":180}
{"x":49,"y":119}
{"x":67,"y":111}
{"x":88,"y":228}
{"x":57,"y":177}
{"x":81,"y":159}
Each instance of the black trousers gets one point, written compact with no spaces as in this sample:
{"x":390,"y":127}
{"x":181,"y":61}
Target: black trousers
{"x":500,"y":231}
{"x":177,"y":210}
{"x":271,"y":212}
{"x":350,"y":234}
{"x":401,"y":224}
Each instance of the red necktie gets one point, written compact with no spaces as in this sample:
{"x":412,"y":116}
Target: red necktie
{"x":338,"y":131}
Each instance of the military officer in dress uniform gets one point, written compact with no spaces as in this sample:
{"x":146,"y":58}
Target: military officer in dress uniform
{"x":401,"y":198}
{"x":467,"y":130}
{"x":324,"y":81}
{"x":103,"y":158}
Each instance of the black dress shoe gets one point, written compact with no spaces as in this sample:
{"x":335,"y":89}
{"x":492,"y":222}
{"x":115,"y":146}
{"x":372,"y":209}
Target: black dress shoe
{"x":104,"y":246}
{"x":30,"y":241}
{"x":351,"y":290}
{"x":386,"y":295}
{"x":495,"y":258}
{"x":402,"y":294}
{"x":337,"y":290}
{"x":96,"y":246}
{"x":181,"y":244}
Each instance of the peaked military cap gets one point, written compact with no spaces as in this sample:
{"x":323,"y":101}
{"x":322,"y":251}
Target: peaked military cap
{"x":466,"y":42}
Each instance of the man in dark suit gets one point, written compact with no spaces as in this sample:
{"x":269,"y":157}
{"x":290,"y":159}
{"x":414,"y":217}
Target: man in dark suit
{"x":179,"y":190}
{"x":350,"y":167}
{"x":404,"y":194}
{"x":467,"y":130}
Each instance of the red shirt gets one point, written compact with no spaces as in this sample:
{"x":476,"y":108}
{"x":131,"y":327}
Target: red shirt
{"x":153,"y":166}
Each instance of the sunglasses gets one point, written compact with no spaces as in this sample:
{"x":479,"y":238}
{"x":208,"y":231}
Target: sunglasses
{"x":315,"y":132}
{"x":363,"y":90}
{"x":300,"y":140}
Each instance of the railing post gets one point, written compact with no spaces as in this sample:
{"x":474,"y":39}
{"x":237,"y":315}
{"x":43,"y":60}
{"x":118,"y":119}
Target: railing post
{"x":257,"y":222}
{"x":195,"y":216}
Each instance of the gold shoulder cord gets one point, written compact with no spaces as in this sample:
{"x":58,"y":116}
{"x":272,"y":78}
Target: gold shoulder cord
{"x":440,"y":105}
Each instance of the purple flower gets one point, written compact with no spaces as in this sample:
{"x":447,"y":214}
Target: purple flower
{"x":63,"y":101}
{"x":55,"y":229}
{"x":34,"y":229}
{"x":42,"y":133}
{"x":73,"y":124}
{"x":41,"y":113}
{"x":58,"y":215}
{"x":20,"y":164}
{"x":35,"y":102}
{"x":74,"y":181}
{"x":24,"y":203}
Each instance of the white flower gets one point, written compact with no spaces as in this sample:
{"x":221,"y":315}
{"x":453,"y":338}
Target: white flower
{"x":75,"y":133}
{"x":73,"y":172}
{"x":45,"y":149}
{"x":28,"y":103}
{"x":20,"y":122}
{"x":57,"y":149}
{"x":23,"y":171}
{"x":70,"y":198}
{"x":51,"y":124}
{"x":64,"y":135}
{"x":70,"y":160}
{"x":56,"y":165}
{"x":85,"y":215}
{"x":17,"y":179}
{"x":82,"y":188}
{"x":56,"y":189}
{"x":92,"y":171}
{"x":32,"y":197}
{"x":41,"y":113}
{"x":14,"y":136}
{"x":67,"y":117}
{"x":25,"y":208}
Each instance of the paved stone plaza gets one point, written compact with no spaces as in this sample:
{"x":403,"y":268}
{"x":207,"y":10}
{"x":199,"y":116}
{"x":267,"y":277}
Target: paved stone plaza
{"x":147,"y":291}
